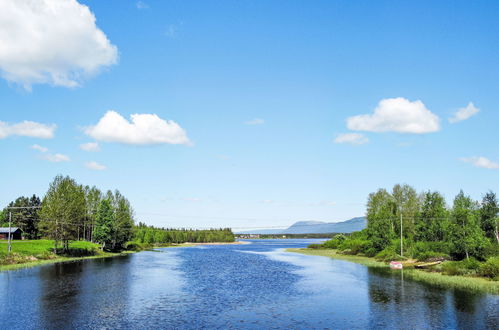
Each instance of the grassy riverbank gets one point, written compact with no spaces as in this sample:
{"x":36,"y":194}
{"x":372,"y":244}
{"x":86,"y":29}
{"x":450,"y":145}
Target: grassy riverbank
{"x":475,"y":284}
{"x":39,"y":252}
{"x":33,"y":253}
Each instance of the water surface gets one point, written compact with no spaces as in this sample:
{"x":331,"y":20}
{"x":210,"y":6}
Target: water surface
{"x":256,"y":285}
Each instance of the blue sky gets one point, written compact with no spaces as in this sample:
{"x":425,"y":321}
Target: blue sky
{"x":261,"y":93}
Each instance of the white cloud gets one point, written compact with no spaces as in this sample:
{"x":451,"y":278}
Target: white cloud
{"x":351,"y":138}
{"x":51,"y":41}
{"x":464,"y":113}
{"x":256,"y":121}
{"x":39,"y":148}
{"x":95,"y":166}
{"x":90,"y":146}
{"x":142,"y":130}
{"x":142,"y":5}
{"x":397,"y":115}
{"x":27,"y":128}
{"x":56,"y":158}
{"x":268,"y":201}
{"x":481,"y":162}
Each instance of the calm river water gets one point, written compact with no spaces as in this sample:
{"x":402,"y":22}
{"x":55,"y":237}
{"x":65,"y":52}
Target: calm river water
{"x":257,"y":286}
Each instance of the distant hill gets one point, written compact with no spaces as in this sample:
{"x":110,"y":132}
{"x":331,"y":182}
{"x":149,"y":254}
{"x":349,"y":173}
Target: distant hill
{"x":316,"y":227}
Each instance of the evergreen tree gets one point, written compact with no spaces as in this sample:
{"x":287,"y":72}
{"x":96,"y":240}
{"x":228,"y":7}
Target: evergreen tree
{"x":103,"y":231}
{"x":489,"y":216}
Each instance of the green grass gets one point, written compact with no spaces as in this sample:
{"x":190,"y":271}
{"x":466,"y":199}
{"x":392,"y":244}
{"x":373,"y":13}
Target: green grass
{"x":39,"y":252}
{"x":474,"y":284}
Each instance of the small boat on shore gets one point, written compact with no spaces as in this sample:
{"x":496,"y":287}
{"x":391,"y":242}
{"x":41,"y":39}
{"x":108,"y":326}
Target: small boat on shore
{"x":396,"y":265}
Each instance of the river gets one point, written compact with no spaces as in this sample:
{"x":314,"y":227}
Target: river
{"x":256,"y":285}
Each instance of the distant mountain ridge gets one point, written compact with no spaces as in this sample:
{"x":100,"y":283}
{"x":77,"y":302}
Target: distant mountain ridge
{"x":316,"y":227}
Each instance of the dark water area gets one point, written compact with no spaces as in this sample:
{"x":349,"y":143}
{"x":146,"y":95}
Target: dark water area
{"x":257,"y":286}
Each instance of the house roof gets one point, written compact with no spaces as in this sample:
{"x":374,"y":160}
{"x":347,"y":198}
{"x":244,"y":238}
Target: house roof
{"x":5,"y":230}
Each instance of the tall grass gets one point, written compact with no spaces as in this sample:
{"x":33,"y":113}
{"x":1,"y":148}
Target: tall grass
{"x":474,"y":284}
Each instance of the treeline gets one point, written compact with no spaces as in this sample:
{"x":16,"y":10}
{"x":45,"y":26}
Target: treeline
{"x":427,"y":226}
{"x":70,"y":211}
{"x":152,"y":235}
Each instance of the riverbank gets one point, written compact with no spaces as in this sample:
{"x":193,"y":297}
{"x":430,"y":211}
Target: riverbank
{"x":474,"y":284}
{"x":32,"y":253}
{"x":27,"y":254}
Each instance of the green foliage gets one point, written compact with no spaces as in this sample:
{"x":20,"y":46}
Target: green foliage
{"x":467,"y":237}
{"x":424,"y":251}
{"x":315,"y":246}
{"x":388,"y":254}
{"x":152,"y":235}
{"x":464,"y":267}
{"x":63,"y":210}
{"x":489,"y":220}
{"x":380,"y":219}
{"x":432,"y":222}
{"x":354,"y":246}
{"x":335,"y":242}
{"x":27,"y":219}
{"x":104,"y":221}
{"x":490,"y":268}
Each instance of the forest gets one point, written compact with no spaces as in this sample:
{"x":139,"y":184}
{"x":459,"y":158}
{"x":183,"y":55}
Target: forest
{"x":404,"y":224}
{"x":72,"y":212}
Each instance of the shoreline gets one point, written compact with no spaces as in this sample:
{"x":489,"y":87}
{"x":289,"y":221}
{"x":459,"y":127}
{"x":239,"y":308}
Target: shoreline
{"x":101,"y":255}
{"x":42,"y":262}
{"x":474,"y":284}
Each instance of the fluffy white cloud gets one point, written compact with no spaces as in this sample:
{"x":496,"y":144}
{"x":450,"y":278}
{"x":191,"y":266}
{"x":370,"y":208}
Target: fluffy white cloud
{"x":51,"y":41}
{"x":481,"y":162}
{"x":464,"y":113}
{"x":27,"y":128}
{"x":397,"y":115}
{"x":351,"y":138}
{"x":256,"y":121}
{"x":142,"y":130}
{"x":39,"y":148}
{"x":95,"y":166}
{"x":90,"y":146}
{"x":56,"y":158}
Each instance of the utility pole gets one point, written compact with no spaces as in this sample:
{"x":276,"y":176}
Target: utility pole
{"x":10,"y":225}
{"x":401,"y":236}
{"x":10,"y":221}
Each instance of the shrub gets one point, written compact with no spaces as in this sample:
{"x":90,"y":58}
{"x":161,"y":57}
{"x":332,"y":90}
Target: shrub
{"x":335,"y":242}
{"x":490,"y":268}
{"x":464,"y":267}
{"x":315,"y":246}
{"x":354,"y":246}
{"x":431,"y":255}
{"x":388,"y":254}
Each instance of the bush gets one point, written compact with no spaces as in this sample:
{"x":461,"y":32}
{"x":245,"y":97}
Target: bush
{"x":490,"y":268}
{"x":335,"y":242}
{"x":388,"y":254}
{"x":427,"y":250}
{"x":464,"y":267}
{"x":315,"y":246}
{"x":354,"y":246}
{"x":135,"y":246}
